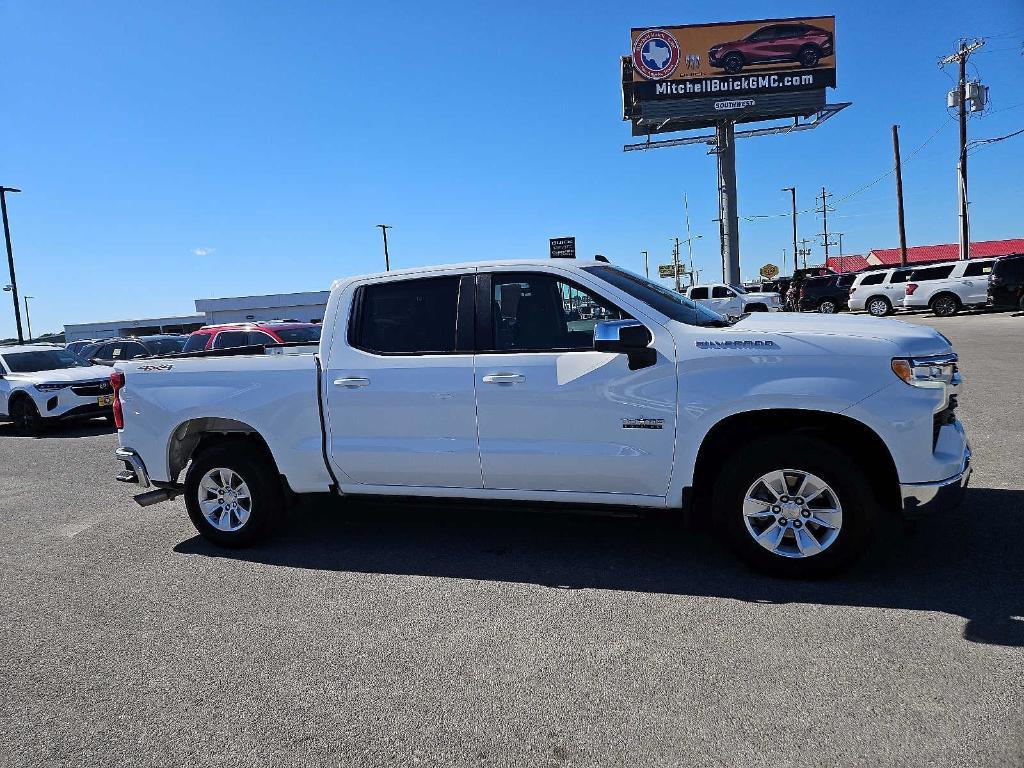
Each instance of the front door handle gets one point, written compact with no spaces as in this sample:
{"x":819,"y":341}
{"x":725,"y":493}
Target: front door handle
{"x":504,"y":378}
{"x":351,"y":382}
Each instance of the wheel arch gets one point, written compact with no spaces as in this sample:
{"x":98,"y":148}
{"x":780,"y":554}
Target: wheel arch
{"x":853,"y":436}
{"x":191,"y":436}
{"x":944,"y":292}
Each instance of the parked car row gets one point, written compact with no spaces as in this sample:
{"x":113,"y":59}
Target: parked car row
{"x":45,"y":383}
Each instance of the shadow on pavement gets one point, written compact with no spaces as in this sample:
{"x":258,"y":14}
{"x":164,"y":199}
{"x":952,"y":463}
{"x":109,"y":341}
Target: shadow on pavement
{"x":89,"y":428}
{"x":969,"y":563}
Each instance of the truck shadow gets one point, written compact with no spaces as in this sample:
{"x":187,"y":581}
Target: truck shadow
{"x":969,"y":563}
{"x":69,"y":429}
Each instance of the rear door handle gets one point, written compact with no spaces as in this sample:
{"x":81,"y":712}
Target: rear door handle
{"x":351,"y":382}
{"x":505,"y":378}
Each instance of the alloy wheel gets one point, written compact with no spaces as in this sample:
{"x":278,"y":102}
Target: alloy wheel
{"x":827,"y":307}
{"x":224,"y":499}
{"x":792,"y":513}
{"x":878,"y":308}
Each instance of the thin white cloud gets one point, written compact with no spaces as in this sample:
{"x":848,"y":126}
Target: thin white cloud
{"x":203,"y":251}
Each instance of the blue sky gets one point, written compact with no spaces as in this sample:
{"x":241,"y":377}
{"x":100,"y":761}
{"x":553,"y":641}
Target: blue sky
{"x":169,"y":151}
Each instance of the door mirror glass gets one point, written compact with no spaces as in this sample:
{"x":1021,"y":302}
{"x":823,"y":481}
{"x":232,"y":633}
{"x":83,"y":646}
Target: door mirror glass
{"x":627,"y":337}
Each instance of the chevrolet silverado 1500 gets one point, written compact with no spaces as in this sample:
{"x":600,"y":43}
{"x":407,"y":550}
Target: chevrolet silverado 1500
{"x":799,"y":435}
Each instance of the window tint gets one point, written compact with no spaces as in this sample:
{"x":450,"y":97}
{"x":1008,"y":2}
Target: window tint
{"x":932,"y":273}
{"x":104,"y":352}
{"x":845,"y":281}
{"x":127,"y":350}
{"x":259,"y":337}
{"x":305,"y":335}
{"x":976,"y":268}
{"x":874,"y":279}
{"x":407,"y":316}
{"x":166,"y":346}
{"x":42,"y":360}
{"x":542,"y":312}
{"x":196,"y":342}
{"x":228,"y":339}
{"x":698,"y":293}
{"x":901,"y":275}
{"x":721,"y":292}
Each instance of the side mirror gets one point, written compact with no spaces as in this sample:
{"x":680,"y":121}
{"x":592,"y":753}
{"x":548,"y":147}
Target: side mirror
{"x":626,"y":337}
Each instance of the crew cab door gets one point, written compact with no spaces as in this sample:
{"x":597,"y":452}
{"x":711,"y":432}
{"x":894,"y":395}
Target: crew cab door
{"x":725,"y":300}
{"x":398,"y":384}
{"x":553,"y":414}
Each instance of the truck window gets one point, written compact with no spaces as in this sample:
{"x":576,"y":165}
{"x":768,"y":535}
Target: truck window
{"x":541,"y":313}
{"x":978,"y":268}
{"x":721,"y":292}
{"x":698,"y":293}
{"x":874,"y":279}
{"x":901,"y":276}
{"x":932,"y":273}
{"x":406,"y":317}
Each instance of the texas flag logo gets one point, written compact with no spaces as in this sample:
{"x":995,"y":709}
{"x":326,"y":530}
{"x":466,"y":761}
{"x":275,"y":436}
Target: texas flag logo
{"x":656,"y":54}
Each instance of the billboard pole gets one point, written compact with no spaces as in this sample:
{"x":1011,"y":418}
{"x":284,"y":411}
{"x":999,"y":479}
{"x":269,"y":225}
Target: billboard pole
{"x":725,"y":136}
{"x":10,"y":261}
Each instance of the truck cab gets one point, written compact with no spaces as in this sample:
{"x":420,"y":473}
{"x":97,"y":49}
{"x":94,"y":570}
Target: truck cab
{"x":734,"y":300}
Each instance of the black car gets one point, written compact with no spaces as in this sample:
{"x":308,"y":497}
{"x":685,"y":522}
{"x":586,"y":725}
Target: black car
{"x":1006,"y":283}
{"x":110,"y":351}
{"x":827,"y":293}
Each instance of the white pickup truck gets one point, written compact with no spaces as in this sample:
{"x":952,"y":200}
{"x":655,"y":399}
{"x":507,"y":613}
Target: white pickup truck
{"x":797,"y":434}
{"x":734,"y":300}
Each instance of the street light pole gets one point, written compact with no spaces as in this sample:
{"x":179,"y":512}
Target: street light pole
{"x":10,"y":260}
{"x":792,"y":191}
{"x":28,"y":317}
{"x":384,"y":231}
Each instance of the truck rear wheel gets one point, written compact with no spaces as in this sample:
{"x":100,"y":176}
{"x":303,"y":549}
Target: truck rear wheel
{"x":233,"y":493}
{"x":794,"y":506}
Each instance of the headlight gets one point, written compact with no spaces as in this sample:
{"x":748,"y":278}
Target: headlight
{"x":926,"y":372}
{"x":51,"y":387}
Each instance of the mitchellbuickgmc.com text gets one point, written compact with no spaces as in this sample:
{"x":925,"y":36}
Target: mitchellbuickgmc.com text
{"x":726,"y":84}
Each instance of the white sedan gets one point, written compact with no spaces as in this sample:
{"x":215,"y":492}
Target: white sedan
{"x":40,"y":383}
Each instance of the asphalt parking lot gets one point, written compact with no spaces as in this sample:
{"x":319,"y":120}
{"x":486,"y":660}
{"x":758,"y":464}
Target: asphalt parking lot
{"x":377,"y":634}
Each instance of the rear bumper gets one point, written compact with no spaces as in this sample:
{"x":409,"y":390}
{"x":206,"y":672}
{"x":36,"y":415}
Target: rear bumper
{"x":926,"y":499}
{"x":135,"y":468}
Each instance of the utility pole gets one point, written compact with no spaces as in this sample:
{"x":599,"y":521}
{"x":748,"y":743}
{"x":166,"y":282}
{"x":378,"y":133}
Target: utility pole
{"x":725,"y":151}
{"x":805,"y":251}
{"x":675,"y":264}
{"x":28,"y":317}
{"x":689,"y":237}
{"x":384,"y":231}
{"x":10,"y":260}
{"x":960,"y":56}
{"x":647,"y":269}
{"x":824,"y":210}
{"x":899,"y":194}
{"x":840,"y":236}
{"x":792,"y":191}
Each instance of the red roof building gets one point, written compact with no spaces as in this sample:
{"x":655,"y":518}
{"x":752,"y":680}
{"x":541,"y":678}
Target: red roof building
{"x":949,"y":252}
{"x":851,"y":263}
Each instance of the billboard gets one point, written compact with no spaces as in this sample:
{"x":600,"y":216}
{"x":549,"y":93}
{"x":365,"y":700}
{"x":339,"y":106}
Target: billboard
{"x":736,"y":69}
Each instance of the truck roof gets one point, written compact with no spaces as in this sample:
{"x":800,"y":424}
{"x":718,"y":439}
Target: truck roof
{"x":471,"y":264}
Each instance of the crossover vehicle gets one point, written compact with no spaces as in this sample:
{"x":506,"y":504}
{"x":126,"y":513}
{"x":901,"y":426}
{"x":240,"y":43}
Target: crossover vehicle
{"x":789,"y":42}
{"x":734,"y":299}
{"x":1006,"y":283}
{"x":879,"y":292}
{"x":109,"y":351}
{"x":471,"y":381}
{"x":945,"y":289}
{"x":247,"y":334}
{"x":827,"y":294}
{"x":44,"y":383}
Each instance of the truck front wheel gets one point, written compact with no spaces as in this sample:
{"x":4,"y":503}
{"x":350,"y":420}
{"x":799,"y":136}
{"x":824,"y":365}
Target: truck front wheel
{"x":233,"y":493}
{"x":794,"y":506}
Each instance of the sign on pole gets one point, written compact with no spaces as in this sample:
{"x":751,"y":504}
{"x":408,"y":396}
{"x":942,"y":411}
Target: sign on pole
{"x":563,"y":247}
{"x":669,"y":270}
{"x":769,"y":272}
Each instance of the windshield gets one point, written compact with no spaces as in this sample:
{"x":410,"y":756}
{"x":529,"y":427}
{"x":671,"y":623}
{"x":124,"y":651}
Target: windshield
{"x":165,"y":346}
{"x":300,"y":334}
{"x":43,"y":360}
{"x":737,"y":288}
{"x":668,"y":302}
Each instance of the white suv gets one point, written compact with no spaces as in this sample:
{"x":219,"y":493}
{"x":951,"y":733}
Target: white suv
{"x":734,"y":300}
{"x":879,"y":292}
{"x":44,"y":382}
{"x":945,"y":289}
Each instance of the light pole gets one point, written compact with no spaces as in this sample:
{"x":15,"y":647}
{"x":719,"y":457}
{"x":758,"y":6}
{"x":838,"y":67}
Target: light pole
{"x":28,"y":317}
{"x":647,"y":269}
{"x":792,"y":191}
{"x":10,"y":260}
{"x":384,"y":231}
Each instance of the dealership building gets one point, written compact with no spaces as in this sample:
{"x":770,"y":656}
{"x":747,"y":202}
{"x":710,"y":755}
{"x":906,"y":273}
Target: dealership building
{"x":305,"y":307}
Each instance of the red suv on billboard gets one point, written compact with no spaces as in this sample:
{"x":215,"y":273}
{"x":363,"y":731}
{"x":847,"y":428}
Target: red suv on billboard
{"x":245,"y":334}
{"x":792,"y":42}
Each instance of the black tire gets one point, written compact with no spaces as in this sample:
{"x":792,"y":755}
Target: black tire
{"x":878,"y":306}
{"x":842,"y":473}
{"x":25,"y":416}
{"x":733,"y":63}
{"x":828,"y":307}
{"x":945,"y":305}
{"x":256,"y":469}
{"x":809,"y":55}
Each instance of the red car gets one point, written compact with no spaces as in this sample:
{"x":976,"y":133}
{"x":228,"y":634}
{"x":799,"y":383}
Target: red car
{"x":790,"y":42}
{"x":244,"y":334}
